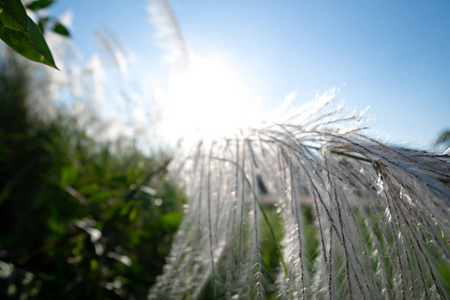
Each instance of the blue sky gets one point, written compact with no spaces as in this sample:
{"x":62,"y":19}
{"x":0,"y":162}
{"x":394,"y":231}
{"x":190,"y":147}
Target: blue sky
{"x":393,"y":56}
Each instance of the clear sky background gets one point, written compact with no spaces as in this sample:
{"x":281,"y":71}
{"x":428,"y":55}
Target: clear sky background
{"x":393,"y":56}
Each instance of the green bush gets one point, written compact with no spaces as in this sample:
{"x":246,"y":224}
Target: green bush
{"x":79,"y":219}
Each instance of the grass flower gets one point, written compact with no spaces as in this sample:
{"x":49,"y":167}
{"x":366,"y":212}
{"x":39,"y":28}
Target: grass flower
{"x":360,"y":219}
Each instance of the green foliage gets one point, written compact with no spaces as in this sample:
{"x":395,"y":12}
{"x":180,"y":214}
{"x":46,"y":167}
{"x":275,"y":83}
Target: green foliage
{"x":61,"y":29}
{"x":39,"y":4}
{"x":31,"y":43}
{"x":78,"y":219}
{"x":13,"y":15}
{"x":20,"y":33}
{"x":69,"y":174}
{"x":24,"y":36}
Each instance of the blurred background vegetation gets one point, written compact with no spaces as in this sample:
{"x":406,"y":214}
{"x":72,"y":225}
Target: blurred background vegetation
{"x":79,"y":218}
{"x":88,"y":218}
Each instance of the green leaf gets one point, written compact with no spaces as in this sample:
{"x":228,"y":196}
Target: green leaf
{"x":30,"y":44}
{"x":69,"y":174}
{"x":13,"y":15}
{"x":89,"y":189}
{"x":171,"y":219}
{"x":61,"y":29}
{"x":94,"y":264}
{"x":133,"y":214}
{"x":39,"y":4}
{"x":42,"y":22}
{"x":100,"y":197}
{"x":99,"y":171}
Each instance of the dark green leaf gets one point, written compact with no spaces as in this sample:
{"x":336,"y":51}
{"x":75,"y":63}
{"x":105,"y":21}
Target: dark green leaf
{"x":69,"y":174}
{"x":42,"y":22}
{"x":99,"y":171}
{"x":89,"y":189}
{"x":13,"y":15}
{"x":61,"y":29}
{"x":100,"y":197}
{"x":171,"y":219}
{"x":39,"y":4}
{"x":30,"y":44}
{"x":133,"y":214}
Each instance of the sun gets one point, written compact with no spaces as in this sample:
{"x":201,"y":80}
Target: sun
{"x":208,"y":99}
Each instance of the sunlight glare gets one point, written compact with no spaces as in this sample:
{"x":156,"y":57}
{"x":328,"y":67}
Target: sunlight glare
{"x":206,"y":100}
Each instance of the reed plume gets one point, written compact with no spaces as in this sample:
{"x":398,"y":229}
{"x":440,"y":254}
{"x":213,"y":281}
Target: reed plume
{"x":379,"y":214}
{"x":360,"y":219}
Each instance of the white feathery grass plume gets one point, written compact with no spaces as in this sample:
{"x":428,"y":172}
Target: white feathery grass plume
{"x":362,"y":220}
{"x":168,"y":33}
{"x":116,"y":53}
